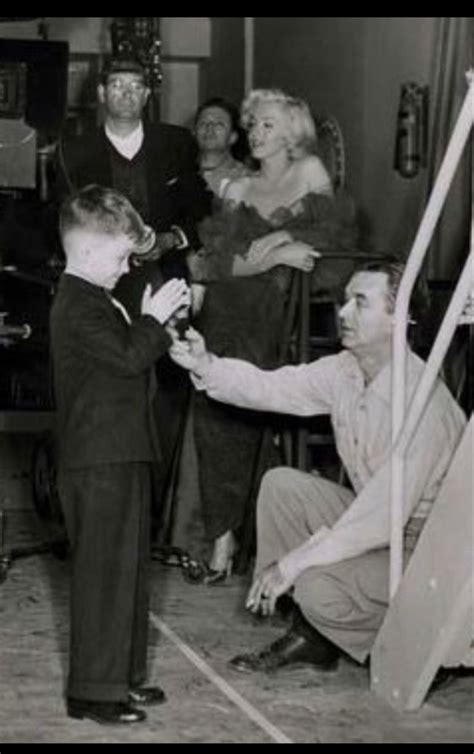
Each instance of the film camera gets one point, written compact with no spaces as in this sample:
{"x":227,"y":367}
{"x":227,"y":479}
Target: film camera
{"x":33,"y":86}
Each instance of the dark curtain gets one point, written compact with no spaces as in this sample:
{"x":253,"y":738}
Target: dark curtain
{"x":452,"y":59}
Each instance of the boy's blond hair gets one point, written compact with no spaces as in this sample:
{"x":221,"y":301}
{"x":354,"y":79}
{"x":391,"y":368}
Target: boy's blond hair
{"x":103,"y":210}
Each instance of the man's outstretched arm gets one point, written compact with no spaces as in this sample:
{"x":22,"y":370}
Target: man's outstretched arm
{"x":302,"y":390}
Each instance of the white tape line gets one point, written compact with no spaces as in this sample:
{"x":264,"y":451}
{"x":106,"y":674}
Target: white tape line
{"x":222,"y":685}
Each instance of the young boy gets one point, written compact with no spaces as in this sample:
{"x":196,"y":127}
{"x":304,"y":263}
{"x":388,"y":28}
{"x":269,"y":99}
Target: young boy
{"x":102,"y":365}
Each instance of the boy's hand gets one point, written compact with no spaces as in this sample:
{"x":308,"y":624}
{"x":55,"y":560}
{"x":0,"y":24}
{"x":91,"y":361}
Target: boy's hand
{"x":172,"y":296}
{"x":190,"y":353}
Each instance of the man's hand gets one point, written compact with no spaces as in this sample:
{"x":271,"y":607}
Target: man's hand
{"x":190,"y":352}
{"x":172,"y":296}
{"x":163,"y":242}
{"x":265,"y":590}
{"x":166,"y":241}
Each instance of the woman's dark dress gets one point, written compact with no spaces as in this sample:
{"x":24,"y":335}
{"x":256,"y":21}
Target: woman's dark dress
{"x":242,"y":317}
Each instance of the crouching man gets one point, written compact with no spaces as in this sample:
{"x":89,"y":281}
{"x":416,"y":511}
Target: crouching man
{"x":325,"y":544}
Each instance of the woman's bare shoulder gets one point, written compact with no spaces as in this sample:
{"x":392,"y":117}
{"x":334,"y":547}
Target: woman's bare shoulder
{"x":314,"y":174}
{"x":233,"y":190}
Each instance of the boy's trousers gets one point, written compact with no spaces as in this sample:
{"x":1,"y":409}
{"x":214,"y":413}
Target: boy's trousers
{"x":107,"y":515}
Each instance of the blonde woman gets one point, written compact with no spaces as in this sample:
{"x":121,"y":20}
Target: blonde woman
{"x":281,"y":216}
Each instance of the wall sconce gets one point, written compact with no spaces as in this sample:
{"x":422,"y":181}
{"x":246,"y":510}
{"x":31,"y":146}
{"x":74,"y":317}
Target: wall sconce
{"x":412,"y":130}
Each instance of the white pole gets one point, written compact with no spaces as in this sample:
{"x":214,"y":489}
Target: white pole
{"x":249,"y":54}
{"x":438,"y":352}
{"x":425,"y":232}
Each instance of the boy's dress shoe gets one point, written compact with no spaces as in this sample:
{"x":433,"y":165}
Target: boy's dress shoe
{"x":146,"y":695}
{"x":107,"y":713}
{"x":290,"y":649}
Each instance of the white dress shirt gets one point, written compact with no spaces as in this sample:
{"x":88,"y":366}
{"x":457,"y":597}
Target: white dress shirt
{"x":128,"y":146}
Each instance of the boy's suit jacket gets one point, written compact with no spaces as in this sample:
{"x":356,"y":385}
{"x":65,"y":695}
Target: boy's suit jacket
{"x":102,"y":369}
{"x":177,"y":194}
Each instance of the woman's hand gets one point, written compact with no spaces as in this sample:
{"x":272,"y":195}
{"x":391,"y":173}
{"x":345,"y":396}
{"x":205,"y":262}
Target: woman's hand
{"x":261,"y":246}
{"x":261,"y":252}
{"x":296,"y":254}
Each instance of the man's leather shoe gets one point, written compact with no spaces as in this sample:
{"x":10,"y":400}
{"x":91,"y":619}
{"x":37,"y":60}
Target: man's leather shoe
{"x":290,"y":649}
{"x":146,"y":695}
{"x":107,"y":713}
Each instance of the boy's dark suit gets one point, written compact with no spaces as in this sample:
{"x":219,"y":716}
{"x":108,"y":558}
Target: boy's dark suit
{"x":176,"y":194}
{"x":102,"y":369}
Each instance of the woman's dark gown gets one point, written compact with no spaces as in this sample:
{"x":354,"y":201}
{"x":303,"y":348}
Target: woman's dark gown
{"x":242,"y":317}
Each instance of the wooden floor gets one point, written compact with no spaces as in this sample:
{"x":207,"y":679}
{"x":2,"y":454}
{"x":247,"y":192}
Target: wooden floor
{"x":194,"y":631}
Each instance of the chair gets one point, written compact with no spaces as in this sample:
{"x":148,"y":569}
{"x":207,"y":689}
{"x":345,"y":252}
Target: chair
{"x":310,"y":331}
{"x":317,"y":332}
{"x":331,"y":149}
{"x":317,"y":323}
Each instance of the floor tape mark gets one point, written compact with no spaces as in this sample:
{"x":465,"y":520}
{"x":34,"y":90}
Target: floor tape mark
{"x":271,"y":730}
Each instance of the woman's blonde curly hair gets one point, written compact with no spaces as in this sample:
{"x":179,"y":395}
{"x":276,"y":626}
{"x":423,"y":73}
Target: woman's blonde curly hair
{"x":301,"y":131}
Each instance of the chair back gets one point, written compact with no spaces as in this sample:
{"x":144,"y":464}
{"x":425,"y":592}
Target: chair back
{"x":330,"y":148}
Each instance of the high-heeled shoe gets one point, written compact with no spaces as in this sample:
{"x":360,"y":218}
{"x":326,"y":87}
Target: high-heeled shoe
{"x":220,"y":567}
{"x":193,"y":569}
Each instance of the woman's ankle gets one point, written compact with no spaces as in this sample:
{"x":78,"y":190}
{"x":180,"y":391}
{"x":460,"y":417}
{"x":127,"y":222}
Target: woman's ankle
{"x":224,"y":548}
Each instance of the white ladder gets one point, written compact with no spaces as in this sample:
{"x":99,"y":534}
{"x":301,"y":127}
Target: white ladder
{"x":424,"y":626}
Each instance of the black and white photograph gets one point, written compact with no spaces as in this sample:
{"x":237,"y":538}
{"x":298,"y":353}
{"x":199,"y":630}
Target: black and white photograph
{"x":236,"y":362}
